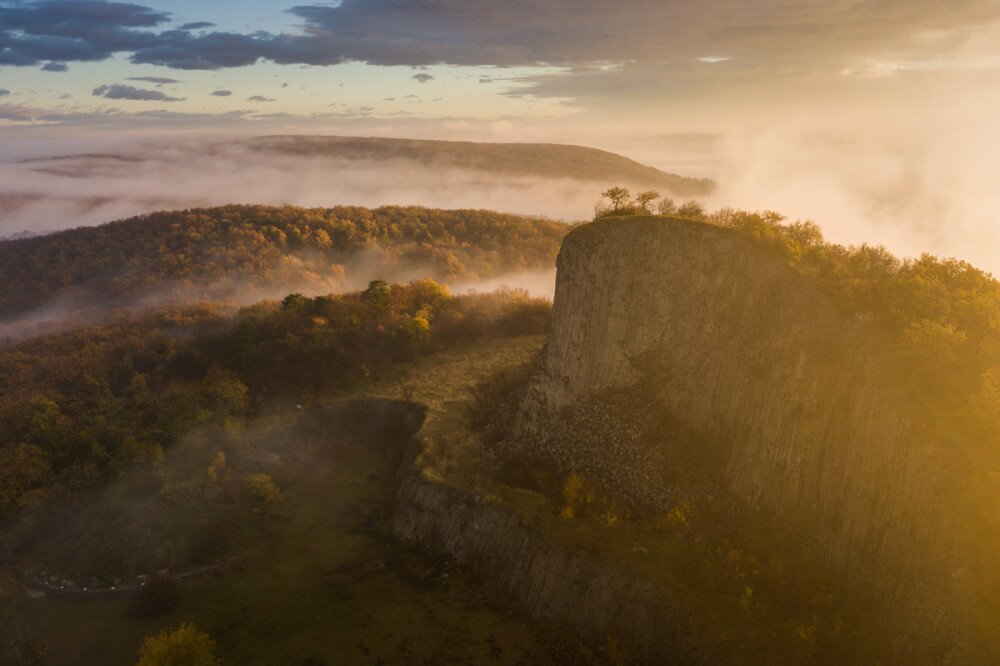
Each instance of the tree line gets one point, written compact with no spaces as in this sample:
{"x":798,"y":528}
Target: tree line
{"x":618,"y":201}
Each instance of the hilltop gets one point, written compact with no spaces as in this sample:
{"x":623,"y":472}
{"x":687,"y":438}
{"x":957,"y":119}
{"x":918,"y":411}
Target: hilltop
{"x":717,"y":374}
{"x":245,"y":253}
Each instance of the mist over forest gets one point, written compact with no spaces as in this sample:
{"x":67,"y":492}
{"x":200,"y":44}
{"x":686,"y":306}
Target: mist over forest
{"x":914,"y":194}
{"x":50,"y":192}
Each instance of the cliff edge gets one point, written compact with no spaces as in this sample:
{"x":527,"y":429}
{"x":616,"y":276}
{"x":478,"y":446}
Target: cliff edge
{"x":747,"y":349}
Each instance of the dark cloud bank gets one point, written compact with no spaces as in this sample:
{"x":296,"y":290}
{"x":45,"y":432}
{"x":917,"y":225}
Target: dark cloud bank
{"x":482,"y":32}
{"x":121,"y":91}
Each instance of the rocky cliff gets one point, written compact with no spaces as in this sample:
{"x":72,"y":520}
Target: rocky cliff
{"x":749,"y":349}
{"x":548,"y":581}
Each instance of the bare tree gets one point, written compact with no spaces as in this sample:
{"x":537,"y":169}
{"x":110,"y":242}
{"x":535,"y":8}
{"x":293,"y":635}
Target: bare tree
{"x":643,"y":199}
{"x":666,"y":206}
{"x":619,"y":196}
{"x":601,"y":208}
{"x":691,"y":210}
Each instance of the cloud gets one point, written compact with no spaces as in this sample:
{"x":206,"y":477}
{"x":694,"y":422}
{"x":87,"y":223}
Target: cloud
{"x":18,"y":112}
{"x":221,"y":93}
{"x":259,"y":98}
{"x":153,"y":79}
{"x":4,"y":92}
{"x":766,"y":37}
{"x":72,"y":31}
{"x":55,"y":67}
{"x":120,"y":91}
{"x":423,"y":77}
{"x":485,"y":79}
{"x":114,"y":119}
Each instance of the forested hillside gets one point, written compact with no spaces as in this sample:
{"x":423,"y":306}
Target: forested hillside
{"x":79,"y":406}
{"x":247,"y":252}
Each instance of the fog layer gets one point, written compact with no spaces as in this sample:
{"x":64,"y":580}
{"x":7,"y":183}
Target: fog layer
{"x":48,"y":194}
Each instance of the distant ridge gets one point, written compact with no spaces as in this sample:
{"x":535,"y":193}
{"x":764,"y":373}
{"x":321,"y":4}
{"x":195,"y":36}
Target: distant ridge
{"x":548,"y":160}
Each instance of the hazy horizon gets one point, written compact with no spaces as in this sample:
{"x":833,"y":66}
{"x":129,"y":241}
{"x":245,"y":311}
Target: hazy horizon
{"x":874,"y":119}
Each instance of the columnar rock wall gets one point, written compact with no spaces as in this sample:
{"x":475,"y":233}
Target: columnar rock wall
{"x":751,"y":349}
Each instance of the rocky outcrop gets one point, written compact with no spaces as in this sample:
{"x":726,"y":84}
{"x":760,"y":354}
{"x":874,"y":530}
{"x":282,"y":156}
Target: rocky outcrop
{"x":748,"y":348}
{"x":549,"y":581}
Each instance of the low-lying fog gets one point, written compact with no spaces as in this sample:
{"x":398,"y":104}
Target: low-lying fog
{"x":934,"y":192}
{"x":43,"y":193}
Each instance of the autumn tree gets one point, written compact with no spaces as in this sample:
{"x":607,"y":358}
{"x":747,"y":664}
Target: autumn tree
{"x":22,"y":467}
{"x":219,"y":468}
{"x":261,"y":490}
{"x":691,"y":210}
{"x":666,"y":206}
{"x":294,"y":302}
{"x":377,"y":294}
{"x":644,"y":199}
{"x":186,"y":645}
{"x":227,"y":395}
{"x":619,"y":196}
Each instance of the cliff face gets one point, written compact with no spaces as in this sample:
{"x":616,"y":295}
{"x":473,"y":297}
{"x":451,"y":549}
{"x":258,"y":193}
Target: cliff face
{"x":749,"y":349}
{"x":548,"y":581}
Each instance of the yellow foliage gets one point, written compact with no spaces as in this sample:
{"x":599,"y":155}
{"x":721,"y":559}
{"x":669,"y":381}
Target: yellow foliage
{"x":262,"y":489}
{"x":219,"y":468}
{"x":808,"y":634}
{"x":679,"y":516}
{"x":186,"y":645}
{"x":572,"y":488}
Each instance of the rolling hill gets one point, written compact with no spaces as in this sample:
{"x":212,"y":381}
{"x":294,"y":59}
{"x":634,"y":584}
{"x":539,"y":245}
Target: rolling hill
{"x":541,"y":160}
{"x":245,"y":253}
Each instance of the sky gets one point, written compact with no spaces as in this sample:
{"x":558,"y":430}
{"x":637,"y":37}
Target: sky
{"x":695,"y":65}
{"x":863,"y":113}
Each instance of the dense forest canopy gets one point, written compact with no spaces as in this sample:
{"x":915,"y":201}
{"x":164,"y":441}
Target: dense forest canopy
{"x":228,"y":252}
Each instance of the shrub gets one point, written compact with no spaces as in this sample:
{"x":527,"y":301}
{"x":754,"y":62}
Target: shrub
{"x":186,"y":646}
{"x":261,"y":490}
